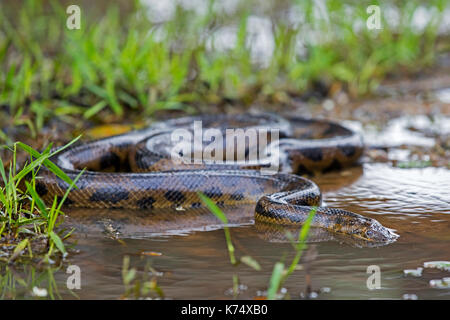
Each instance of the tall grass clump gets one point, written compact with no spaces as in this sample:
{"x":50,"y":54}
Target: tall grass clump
{"x":131,"y":59}
{"x":28,"y":226}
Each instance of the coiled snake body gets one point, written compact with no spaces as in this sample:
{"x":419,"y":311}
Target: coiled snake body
{"x":136,"y":170}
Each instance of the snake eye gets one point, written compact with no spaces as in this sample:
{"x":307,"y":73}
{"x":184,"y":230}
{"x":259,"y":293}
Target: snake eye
{"x":369,"y":233}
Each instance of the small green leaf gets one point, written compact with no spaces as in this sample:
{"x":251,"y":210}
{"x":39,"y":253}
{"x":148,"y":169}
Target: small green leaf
{"x":57,"y":241}
{"x":252,"y":263}
{"x":18,"y":249}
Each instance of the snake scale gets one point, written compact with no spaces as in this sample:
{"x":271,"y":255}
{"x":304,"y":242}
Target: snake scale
{"x":135,"y":171}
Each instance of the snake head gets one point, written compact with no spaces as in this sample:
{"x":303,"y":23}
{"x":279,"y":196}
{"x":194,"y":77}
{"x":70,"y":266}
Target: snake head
{"x":373,"y":231}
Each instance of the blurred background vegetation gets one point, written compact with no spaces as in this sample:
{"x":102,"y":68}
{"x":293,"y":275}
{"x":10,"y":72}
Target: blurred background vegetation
{"x":138,"y":57}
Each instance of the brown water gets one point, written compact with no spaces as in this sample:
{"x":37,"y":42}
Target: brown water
{"x":195,"y":264}
{"x":414,"y":202}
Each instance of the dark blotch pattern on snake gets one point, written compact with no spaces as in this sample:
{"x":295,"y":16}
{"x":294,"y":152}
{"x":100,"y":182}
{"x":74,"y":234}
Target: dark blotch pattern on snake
{"x":135,"y":171}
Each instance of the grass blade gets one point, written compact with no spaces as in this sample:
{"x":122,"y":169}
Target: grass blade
{"x":221,"y":216}
{"x":275,"y":280}
{"x":58,"y":242}
{"x":18,"y":249}
{"x":213,"y":208}
{"x":47,"y":163}
{"x":252,"y":263}
{"x":37,"y":199}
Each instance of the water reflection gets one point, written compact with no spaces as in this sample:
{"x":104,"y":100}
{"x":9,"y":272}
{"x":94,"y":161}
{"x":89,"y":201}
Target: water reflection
{"x":123,"y":223}
{"x":32,"y":282}
{"x":195,"y":264}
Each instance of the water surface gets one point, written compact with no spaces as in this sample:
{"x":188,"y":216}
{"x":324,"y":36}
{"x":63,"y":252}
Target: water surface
{"x":414,"y":202}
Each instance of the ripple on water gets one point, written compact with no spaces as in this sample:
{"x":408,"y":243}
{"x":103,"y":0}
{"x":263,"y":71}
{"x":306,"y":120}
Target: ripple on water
{"x":388,"y":190}
{"x":196,"y":265}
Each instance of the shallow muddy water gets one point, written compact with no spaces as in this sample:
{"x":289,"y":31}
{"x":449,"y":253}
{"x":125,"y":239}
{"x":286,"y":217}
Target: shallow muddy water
{"x":414,"y":202}
{"x":193,"y":263}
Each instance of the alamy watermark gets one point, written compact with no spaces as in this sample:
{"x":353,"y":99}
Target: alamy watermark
{"x":374,"y":20}
{"x":73,"y":21}
{"x":74,"y":280}
{"x":374,"y":280}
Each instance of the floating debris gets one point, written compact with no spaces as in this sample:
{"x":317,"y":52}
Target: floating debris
{"x":311,"y":295}
{"x":39,"y":292}
{"x":109,"y":229}
{"x":151,"y":253}
{"x":325,"y":290}
{"x":262,"y":294}
{"x":240,"y":288}
{"x":411,"y":296}
{"x":441,"y":265}
{"x":444,"y":283}
{"x":107,"y":130}
{"x":413,"y":272}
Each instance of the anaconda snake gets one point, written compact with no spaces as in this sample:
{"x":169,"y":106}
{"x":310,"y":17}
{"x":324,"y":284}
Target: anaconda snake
{"x":135,"y":171}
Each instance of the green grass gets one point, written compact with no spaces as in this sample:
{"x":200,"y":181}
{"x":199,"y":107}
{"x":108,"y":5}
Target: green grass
{"x":120,"y":62}
{"x":280,"y":273}
{"x":26,"y":222}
